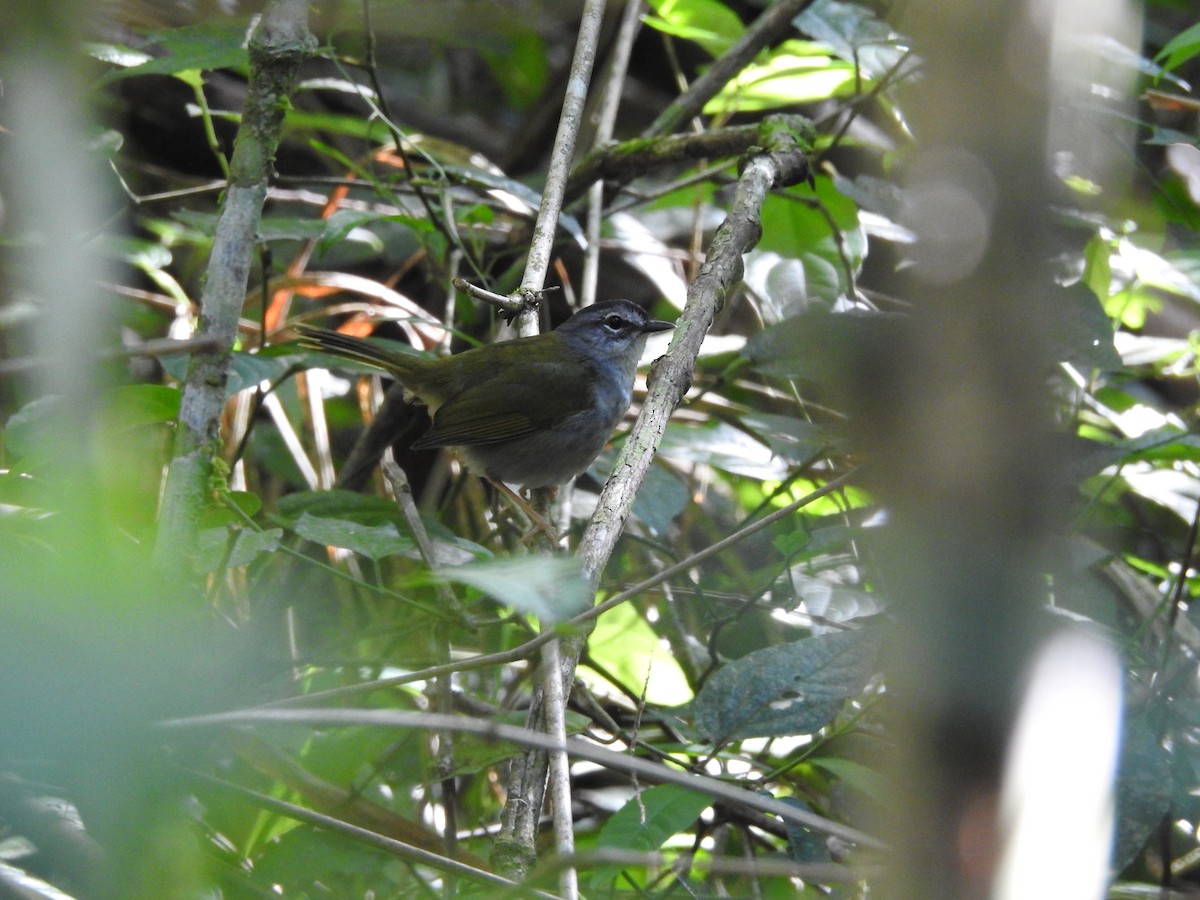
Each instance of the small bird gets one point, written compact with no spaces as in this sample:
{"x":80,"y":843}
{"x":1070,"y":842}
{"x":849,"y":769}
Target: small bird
{"x":533,"y":411}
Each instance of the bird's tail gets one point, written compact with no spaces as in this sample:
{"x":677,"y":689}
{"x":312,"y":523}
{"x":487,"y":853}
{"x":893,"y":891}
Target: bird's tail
{"x":357,"y":349}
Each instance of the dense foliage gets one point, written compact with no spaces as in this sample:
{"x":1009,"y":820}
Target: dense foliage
{"x":413,"y":153}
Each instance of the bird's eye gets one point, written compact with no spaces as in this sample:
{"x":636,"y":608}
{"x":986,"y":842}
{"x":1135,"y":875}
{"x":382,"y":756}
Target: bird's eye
{"x":613,"y":322}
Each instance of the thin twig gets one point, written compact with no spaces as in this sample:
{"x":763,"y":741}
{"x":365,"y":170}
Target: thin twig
{"x":541,"y":246}
{"x":149,"y":349}
{"x":371,"y":838}
{"x":606,"y":122}
{"x":486,"y":728}
{"x":515,"y":846}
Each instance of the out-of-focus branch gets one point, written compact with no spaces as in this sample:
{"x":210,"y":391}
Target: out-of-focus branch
{"x":278,"y":46}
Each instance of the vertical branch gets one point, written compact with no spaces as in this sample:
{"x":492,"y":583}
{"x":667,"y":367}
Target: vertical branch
{"x":542,"y":245}
{"x":606,"y":122}
{"x":514,"y":850}
{"x":277,"y":47}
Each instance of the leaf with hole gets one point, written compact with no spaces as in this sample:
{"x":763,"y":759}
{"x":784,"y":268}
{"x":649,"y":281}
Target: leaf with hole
{"x":794,"y":688}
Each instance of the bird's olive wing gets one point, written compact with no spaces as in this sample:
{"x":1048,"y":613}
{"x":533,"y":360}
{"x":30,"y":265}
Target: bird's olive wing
{"x":527,"y":398}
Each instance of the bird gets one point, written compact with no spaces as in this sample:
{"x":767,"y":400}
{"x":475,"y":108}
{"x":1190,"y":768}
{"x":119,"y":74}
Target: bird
{"x":532,"y":411}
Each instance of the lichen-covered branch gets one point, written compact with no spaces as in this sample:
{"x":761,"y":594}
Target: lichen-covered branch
{"x":277,"y":47}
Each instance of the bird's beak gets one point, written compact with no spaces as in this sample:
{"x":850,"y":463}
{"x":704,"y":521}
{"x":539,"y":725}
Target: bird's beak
{"x":657,"y":325}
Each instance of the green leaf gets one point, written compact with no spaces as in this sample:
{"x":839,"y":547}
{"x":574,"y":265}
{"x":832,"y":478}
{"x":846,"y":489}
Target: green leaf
{"x":549,"y":587}
{"x":854,"y":34}
{"x":213,"y":550}
{"x":629,"y":650}
{"x":191,"y":48}
{"x":519,"y":64}
{"x":796,"y":226}
{"x":805,"y":845}
{"x":1143,"y":789}
{"x":372,"y":541}
{"x":137,"y":405}
{"x":662,"y":496}
{"x":819,"y":345}
{"x":722,"y":446}
{"x":796,"y":72}
{"x":646,"y":822}
{"x":712,"y":25}
{"x":790,"y":689}
{"x":1097,"y":268}
{"x":860,"y":777}
{"x":31,"y":426}
{"x":1080,"y":330}
{"x":1180,"y":48}
{"x":793,"y":440}
{"x":246,"y":370}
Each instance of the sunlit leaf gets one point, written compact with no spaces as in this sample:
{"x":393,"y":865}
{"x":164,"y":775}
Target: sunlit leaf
{"x":629,"y":650}
{"x":1180,"y":49}
{"x":711,"y":24}
{"x":797,"y":72}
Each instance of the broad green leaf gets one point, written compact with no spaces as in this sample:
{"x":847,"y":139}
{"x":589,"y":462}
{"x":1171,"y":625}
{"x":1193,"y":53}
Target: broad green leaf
{"x":136,"y":405}
{"x":804,"y":844}
{"x":790,"y":689}
{"x":372,"y":541}
{"x":519,"y":63}
{"x":213,"y":547}
{"x":661,"y":498}
{"x":860,"y":777}
{"x":819,"y":345}
{"x":32,"y":425}
{"x":796,"y":226}
{"x":549,"y":587}
{"x":247,"y":370}
{"x":1080,"y":330}
{"x":722,"y":446}
{"x":1143,"y":789}
{"x":337,"y":504}
{"x":796,"y":72}
{"x":793,"y":440}
{"x":192,"y":48}
{"x":646,"y":822}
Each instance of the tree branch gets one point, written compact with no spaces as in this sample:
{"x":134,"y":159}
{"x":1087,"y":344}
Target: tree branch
{"x":278,"y":46}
